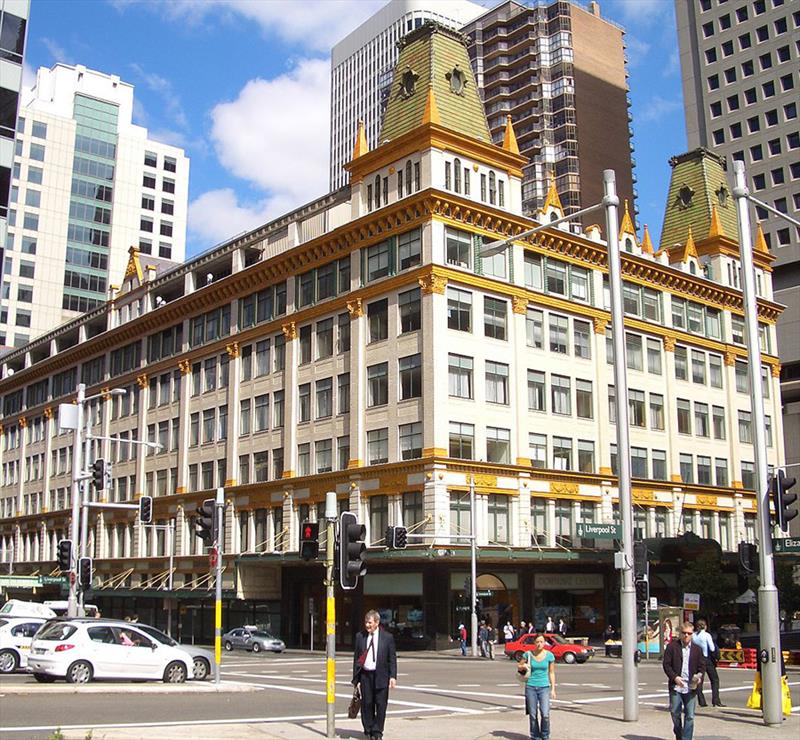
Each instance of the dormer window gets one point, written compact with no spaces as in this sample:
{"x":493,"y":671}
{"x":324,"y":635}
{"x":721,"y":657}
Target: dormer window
{"x":457,"y":79}
{"x":408,"y":83}
{"x":408,"y":177}
{"x":685,"y":195}
{"x":377,"y":191}
{"x":492,"y":188}
{"x":447,"y":176}
{"x":629,"y":244}
{"x":457,"y":175}
{"x":722,"y":196}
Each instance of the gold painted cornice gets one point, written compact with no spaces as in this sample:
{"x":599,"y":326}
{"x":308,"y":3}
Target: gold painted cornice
{"x":432,"y":284}
{"x":289,"y":331}
{"x":355,"y":308}
{"x":232,"y":350}
{"x":185,"y":367}
{"x":142,"y":380}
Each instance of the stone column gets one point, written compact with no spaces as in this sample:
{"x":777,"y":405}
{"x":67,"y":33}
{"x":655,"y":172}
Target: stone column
{"x":234,"y":393}
{"x":732,"y":421}
{"x":433,"y":306}
{"x":48,"y":424}
{"x":184,"y":424}
{"x":358,"y":341}
{"x":670,"y":412}
{"x":290,"y":401}
{"x":603,"y":426}
{"x":521,"y":513}
{"x":550,"y":519}
{"x":519,"y":380}
{"x":23,"y":457}
{"x":141,"y":450}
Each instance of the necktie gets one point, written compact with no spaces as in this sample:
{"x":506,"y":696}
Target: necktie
{"x":371,"y":646}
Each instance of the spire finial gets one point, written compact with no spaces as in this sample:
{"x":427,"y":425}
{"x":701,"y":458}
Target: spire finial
{"x":510,"y":139}
{"x":761,"y":242}
{"x":360,"y":147}
{"x":431,"y":113}
{"x":552,"y":200}
{"x":715,"y":228}
{"x":647,"y":245}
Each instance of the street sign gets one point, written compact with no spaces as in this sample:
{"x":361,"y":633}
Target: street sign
{"x":786,"y":544}
{"x":653,"y":603}
{"x":691,"y":601}
{"x":53,"y":580}
{"x":599,"y":531}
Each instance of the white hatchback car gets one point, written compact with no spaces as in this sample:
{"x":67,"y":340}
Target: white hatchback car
{"x":80,"y":650}
{"x":16,"y":634}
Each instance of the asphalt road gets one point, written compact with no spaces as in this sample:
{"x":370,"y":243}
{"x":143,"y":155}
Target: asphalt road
{"x":291,"y":688}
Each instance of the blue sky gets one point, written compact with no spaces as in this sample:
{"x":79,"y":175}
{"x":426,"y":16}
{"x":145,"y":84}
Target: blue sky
{"x":243,"y":87}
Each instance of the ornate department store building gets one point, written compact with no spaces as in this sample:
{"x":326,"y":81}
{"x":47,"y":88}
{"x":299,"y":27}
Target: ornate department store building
{"x":362,"y":345}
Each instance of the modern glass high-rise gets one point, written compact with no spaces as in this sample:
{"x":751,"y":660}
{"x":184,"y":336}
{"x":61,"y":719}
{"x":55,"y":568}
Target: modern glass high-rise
{"x":13,"y":25}
{"x":362,"y":65}
{"x":740,"y":63}
{"x":559,"y":70}
{"x":86,"y":186}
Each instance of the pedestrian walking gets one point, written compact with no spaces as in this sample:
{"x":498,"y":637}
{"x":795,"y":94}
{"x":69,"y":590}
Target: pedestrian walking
{"x":550,"y":625}
{"x":491,"y":638}
{"x":684,"y":666}
{"x":540,"y":687}
{"x":562,"y":627}
{"x":375,"y":670}
{"x":706,"y":643}
{"x":483,"y":638}
{"x":462,"y":638}
{"x":508,"y":632}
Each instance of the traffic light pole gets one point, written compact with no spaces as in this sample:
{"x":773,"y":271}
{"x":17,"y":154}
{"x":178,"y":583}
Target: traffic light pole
{"x":330,"y":625}
{"x":768,"y":617}
{"x":220,"y":546}
{"x":77,"y":472}
{"x":85,"y":489}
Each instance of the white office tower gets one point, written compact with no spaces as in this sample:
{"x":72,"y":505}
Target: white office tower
{"x":362,"y":65}
{"x":87,"y":185}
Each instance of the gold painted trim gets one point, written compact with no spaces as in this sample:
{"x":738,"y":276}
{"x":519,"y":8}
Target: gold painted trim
{"x":180,"y":490}
{"x":287,"y":474}
{"x":355,"y":463}
{"x":355,"y":308}
{"x":232,"y":350}
{"x":434,"y":452}
{"x":675,"y":478}
{"x":432,"y":284}
{"x":525,"y":462}
{"x":289,"y":331}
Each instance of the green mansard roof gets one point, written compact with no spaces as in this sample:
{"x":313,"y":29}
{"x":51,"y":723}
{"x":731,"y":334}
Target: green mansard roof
{"x":433,"y":82}
{"x":697,"y":187}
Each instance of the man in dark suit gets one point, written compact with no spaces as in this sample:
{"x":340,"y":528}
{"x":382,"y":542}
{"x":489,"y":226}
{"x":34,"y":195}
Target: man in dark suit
{"x":684,"y":665}
{"x":375,"y":668}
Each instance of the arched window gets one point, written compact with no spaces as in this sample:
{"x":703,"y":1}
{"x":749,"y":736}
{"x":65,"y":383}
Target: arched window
{"x":628,"y":244}
{"x":408,"y":177}
{"x":692,"y":268}
{"x":377,"y":191}
{"x":553,"y":216}
{"x":492,"y":187}
{"x":457,"y":175}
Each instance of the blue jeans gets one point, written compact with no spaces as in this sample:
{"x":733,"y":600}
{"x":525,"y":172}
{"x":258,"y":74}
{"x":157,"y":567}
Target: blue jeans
{"x":681,"y":707}
{"x":463,"y":647}
{"x":538,"y":701}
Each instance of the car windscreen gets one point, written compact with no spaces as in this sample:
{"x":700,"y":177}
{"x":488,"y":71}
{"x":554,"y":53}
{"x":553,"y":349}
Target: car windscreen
{"x":558,"y":639}
{"x":157,"y":635}
{"x":56,"y":631}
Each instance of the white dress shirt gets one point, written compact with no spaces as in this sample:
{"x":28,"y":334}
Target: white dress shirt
{"x":371,"y":660}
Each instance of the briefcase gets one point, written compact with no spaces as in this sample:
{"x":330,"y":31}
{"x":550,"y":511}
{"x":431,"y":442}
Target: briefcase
{"x":355,"y":703}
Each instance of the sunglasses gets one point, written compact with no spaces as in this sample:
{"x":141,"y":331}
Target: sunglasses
{"x":687,"y":633}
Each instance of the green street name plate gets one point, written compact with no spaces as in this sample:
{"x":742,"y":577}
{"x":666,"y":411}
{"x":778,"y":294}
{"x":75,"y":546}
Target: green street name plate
{"x":599,"y":531}
{"x":787,"y":544}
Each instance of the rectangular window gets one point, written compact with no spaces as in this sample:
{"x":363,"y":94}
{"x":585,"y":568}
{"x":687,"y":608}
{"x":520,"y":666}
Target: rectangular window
{"x":537,"y":444}
{"x":687,"y":468}
{"x":659,"y":459}
{"x":378,"y":261}
{"x":698,"y":367}
{"x":636,"y":408}
{"x":537,"y":392}
{"x":586,"y":456}
{"x":745,"y":428}
{"x":704,"y":470}
{"x":583,"y":399}
{"x":684,"y":417}
{"x":534,"y":328}
{"x":560,"y":395}
{"x":410,"y":309}
{"x":638,"y":462}
{"x":633,"y":351}
{"x":559,"y":328}
{"x":244,"y":417}
{"x":305,"y":345}
{"x":701,"y":426}
{"x":378,"y":385}
{"x":718,"y":421}
{"x":581,"y":332}
{"x":654,"y":356}
{"x":458,"y":248}
{"x":494,"y":318}
{"x":324,"y":338}
{"x":498,"y":445}
{"x":721,"y":471}
{"x":324,"y":400}
{"x":323,"y":455}
{"x":304,"y":402}
{"x":459,"y":309}
{"x":304,"y":459}
{"x":462,"y":440}
{"x":681,"y":363}
{"x":409,"y":249}
{"x":378,"y":446}
{"x":343,"y":323}
{"x":715,"y":371}
{"x":562,"y":453}
{"x":410,"y":370}
{"x":261,"y":421}
{"x":343,"y":393}
{"x":410,"y":438}
{"x":378,"y":320}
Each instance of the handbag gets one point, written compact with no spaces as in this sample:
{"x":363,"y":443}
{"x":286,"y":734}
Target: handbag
{"x":355,"y":703}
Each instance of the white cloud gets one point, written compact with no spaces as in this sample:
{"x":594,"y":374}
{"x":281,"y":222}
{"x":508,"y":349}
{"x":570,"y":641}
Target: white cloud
{"x":165,"y":91}
{"x":28,"y":76}
{"x":637,"y":50}
{"x":57,"y":51}
{"x":656,"y":109}
{"x":316,"y":25}
{"x":639,"y":12}
{"x":275,"y":136}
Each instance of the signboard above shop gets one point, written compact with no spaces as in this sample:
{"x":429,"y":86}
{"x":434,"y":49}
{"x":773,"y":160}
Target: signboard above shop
{"x":599,"y":531}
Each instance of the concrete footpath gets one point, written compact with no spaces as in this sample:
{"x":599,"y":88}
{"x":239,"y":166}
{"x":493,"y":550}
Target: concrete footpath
{"x":568,"y":723}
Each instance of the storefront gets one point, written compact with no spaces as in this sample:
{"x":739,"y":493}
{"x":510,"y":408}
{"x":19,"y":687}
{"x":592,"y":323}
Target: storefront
{"x":577,"y":598}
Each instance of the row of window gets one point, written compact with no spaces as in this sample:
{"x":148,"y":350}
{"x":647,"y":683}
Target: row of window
{"x":408,"y":178}
{"x":457,"y":178}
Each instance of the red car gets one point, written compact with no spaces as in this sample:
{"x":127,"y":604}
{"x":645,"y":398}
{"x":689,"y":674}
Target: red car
{"x":555,"y":643}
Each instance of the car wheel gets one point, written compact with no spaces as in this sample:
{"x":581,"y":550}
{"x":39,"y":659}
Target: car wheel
{"x":228,"y":646}
{"x":569,"y":657}
{"x":79,"y":672}
{"x":519,"y":655}
{"x":201,"y":669}
{"x":9,"y":661}
{"x":256,"y":647}
{"x":44,"y":678}
{"x":175,"y":672}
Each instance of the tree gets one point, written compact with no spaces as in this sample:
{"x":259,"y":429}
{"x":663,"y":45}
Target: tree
{"x":704,"y":576}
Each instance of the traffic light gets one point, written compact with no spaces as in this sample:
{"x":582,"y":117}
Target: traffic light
{"x":204,"y":524}
{"x":748,"y":557}
{"x":400,"y":538}
{"x":108,"y":477}
{"x":309,"y":540}
{"x":64,"y":554}
{"x":146,"y":509}
{"x":639,"y":559}
{"x":783,"y":501}
{"x":99,"y":474}
{"x":85,"y":572}
{"x":352,"y":550}
{"x":642,"y":590}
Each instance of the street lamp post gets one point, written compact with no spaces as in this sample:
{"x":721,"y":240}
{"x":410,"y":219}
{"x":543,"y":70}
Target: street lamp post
{"x":768,"y":617}
{"x":630,"y":683}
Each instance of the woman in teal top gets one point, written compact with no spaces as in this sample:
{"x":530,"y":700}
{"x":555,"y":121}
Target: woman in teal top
{"x":539,"y":688}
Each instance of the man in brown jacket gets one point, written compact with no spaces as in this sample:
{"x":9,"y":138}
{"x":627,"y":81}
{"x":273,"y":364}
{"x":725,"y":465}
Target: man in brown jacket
{"x":684,"y":665}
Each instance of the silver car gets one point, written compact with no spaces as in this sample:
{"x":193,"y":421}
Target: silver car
{"x":202,"y":659}
{"x":250,"y":638}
